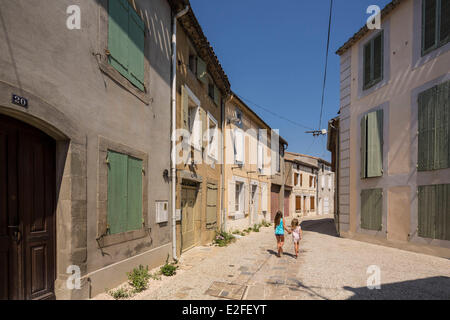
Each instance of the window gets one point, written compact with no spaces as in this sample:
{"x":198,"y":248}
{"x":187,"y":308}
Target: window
{"x":211,"y":90}
{"x":434,"y":129}
{"x":298,"y":203}
{"x":213,"y":149}
{"x":126,"y":36}
{"x":124,"y":193}
{"x":238,"y":197}
{"x":193,"y":63}
{"x":313,"y":203}
{"x":301,"y":179}
{"x":435,"y":24}
{"x":372,"y":145}
{"x":295,"y":179}
{"x":239,"y":146}
{"x":260,"y":153}
{"x":371,"y":209}
{"x":310,"y":181}
{"x":434,"y":212}
{"x":330,"y":182}
{"x":373,"y":61}
{"x":195,"y":126}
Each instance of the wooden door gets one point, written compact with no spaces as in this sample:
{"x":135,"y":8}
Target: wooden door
{"x":27,"y":212}
{"x":275,"y":201}
{"x":188,"y":201}
{"x":286,"y":203}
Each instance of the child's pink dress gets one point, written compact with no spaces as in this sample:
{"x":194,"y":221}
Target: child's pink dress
{"x":296,"y":234}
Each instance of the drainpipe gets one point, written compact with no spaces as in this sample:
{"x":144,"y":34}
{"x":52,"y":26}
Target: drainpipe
{"x":174,"y":127}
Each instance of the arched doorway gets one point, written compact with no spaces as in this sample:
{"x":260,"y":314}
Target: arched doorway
{"x":27,"y":212}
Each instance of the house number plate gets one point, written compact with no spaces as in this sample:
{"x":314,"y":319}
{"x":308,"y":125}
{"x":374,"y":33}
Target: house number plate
{"x":20,"y":101}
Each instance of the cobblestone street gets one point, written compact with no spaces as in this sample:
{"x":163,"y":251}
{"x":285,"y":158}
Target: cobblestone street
{"x":328,"y":268}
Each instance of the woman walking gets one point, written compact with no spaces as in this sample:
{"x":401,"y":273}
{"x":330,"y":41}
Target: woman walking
{"x":279,"y":232}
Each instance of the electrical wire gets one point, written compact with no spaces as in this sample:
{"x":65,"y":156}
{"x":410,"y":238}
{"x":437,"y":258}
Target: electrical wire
{"x":326,"y":64}
{"x":273,"y":113}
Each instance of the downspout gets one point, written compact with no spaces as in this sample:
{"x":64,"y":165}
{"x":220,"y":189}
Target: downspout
{"x":174,"y":127}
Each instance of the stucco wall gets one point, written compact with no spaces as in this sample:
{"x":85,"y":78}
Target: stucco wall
{"x":397,"y":96}
{"x":58,"y":70}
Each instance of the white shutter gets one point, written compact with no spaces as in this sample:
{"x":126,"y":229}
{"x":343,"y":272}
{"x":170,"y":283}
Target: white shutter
{"x":239,"y":141}
{"x":260,"y":156}
{"x":264,"y":198}
{"x":231,"y":195}
{"x":330,"y":181}
{"x":246,"y":198}
{"x":323,"y":182}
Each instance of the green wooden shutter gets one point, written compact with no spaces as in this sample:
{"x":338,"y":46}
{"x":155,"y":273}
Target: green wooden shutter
{"x":427,"y":129}
{"x":429,"y":25}
{"x":367,"y":63}
{"x":363,"y":153}
{"x":445,"y":22}
{"x":375,"y":144}
{"x":136,"y":49}
{"x":118,"y":35}
{"x":442,"y":149}
{"x":211,"y":206}
{"x":378,"y":57}
{"x":434,"y":212}
{"x":134,"y":205}
{"x":117,"y":192}
{"x":371,"y":209}
{"x":201,"y":71}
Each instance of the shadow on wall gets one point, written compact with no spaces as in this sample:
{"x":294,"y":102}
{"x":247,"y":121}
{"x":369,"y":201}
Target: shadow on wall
{"x":435,"y":288}
{"x":323,"y":226}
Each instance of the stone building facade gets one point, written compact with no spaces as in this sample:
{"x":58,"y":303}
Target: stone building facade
{"x":96,"y":120}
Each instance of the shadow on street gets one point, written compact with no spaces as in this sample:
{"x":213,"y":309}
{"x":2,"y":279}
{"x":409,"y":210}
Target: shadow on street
{"x":323,"y":226}
{"x":434,"y":288}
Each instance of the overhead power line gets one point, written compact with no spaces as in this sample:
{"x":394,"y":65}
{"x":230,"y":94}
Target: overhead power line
{"x":273,"y":113}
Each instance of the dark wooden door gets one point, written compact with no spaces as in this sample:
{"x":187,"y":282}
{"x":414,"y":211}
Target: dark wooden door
{"x":286,"y":203}
{"x":27,"y":212}
{"x":275,"y":200}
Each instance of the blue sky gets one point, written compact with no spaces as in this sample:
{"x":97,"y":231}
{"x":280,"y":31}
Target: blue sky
{"x":274,"y":55}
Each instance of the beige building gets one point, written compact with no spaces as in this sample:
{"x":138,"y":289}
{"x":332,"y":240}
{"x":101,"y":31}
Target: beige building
{"x":84,"y":144}
{"x":250,"y":166}
{"x":302,"y":172}
{"x":393,"y":137}
{"x":202,"y":88}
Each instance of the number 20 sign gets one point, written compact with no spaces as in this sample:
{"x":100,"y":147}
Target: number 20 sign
{"x":20,"y":101}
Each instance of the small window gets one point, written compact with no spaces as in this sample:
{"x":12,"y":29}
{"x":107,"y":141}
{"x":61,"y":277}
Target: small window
{"x":211,"y":90}
{"x":298,"y":203}
{"x":373,"y":61}
{"x":372,"y":145}
{"x":126,"y":36}
{"x":313,"y":204}
{"x":237,"y":200}
{"x":435,"y":24}
{"x":193,"y":63}
{"x":213,"y":148}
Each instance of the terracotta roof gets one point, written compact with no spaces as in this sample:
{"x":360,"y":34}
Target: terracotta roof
{"x":364,"y":30}
{"x":291,"y":156}
{"x":204,"y":49}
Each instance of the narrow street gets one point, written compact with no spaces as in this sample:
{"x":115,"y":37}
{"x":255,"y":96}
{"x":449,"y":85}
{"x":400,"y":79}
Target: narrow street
{"x":328,"y":268}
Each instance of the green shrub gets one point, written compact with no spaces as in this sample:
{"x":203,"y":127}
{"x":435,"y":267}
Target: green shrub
{"x":120,"y":293}
{"x":222,"y":239}
{"x":169,"y":269}
{"x":138,"y":278}
{"x":256,"y":227}
{"x":266,"y":224}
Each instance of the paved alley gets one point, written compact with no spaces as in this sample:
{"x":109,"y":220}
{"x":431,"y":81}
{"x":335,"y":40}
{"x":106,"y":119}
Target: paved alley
{"x":328,"y":268}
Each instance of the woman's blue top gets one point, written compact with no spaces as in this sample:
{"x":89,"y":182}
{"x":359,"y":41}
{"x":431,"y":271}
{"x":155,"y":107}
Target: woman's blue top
{"x":280,"y":230}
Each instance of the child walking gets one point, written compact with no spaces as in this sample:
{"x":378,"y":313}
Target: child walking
{"x":279,"y":232}
{"x":297,"y":235}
